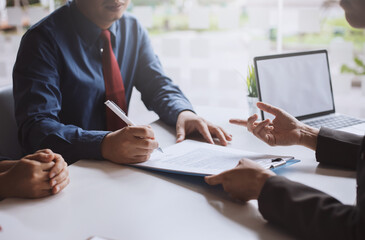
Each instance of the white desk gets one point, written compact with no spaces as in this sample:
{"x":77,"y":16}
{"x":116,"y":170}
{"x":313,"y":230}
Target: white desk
{"x":119,"y":202}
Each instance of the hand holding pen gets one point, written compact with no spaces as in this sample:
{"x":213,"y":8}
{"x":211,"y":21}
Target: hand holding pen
{"x":129,"y":145}
{"x":119,"y":112}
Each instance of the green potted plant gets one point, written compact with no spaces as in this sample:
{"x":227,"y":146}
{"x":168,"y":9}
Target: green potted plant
{"x":252,"y":96}
{"x":358,"y":70}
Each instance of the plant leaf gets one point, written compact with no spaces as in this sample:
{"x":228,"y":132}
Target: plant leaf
{"x":359,"y":62}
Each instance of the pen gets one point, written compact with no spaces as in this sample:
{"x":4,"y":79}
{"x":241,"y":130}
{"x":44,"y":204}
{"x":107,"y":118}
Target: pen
{"x":120,"y":113}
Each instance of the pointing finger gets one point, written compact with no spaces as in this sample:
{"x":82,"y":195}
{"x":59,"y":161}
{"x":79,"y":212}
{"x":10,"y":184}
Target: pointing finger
{"x":240,"y":122}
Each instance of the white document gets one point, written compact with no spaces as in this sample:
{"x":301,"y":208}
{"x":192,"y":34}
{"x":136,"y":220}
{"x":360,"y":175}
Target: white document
{"x":198,"y":158}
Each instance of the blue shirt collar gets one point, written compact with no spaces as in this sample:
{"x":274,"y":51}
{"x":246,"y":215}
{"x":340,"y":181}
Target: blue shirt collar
{"x":88,"y":30}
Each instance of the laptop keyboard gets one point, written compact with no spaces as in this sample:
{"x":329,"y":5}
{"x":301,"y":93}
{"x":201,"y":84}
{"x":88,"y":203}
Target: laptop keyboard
{"x":334,"y":122}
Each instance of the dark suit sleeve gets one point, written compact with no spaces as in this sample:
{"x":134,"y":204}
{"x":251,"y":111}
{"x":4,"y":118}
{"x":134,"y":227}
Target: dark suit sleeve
{"x":308,"y":213}
{"x":311,"y":214}
{"x":338,"y":148}
{"x":3,"y":158}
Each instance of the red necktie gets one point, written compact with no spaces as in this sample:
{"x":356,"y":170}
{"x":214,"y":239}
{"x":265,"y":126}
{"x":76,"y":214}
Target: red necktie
{"x":114,"y":87}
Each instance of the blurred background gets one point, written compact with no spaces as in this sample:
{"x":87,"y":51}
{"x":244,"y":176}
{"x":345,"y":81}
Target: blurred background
{"x":206,"y":46}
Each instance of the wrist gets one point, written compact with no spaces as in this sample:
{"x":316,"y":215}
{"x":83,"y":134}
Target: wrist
{"x":105,"y":143}
{"x":5,"y":165}
{"x":184,"y":112}
{"x":308,"y":137}
{"x":5,"y":186}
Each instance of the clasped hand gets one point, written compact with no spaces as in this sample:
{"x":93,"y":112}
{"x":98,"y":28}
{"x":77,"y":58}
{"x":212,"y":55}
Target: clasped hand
{"x":37,"y":175}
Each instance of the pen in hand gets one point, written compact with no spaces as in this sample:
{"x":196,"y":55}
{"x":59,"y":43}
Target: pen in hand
{"x":120,"y":113}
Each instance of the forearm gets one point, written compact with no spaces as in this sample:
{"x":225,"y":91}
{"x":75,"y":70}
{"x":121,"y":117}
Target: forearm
{"x":308,"y":213}
{"x":40,"y":125}
{"x":72,"y":142}
{"x":5,"y":165}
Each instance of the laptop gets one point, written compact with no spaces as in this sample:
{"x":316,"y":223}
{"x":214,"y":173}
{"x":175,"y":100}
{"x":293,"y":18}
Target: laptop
{"x":300,"y":83}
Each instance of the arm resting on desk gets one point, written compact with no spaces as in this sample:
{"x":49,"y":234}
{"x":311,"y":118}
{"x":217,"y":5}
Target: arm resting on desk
{"x":309,"y":213}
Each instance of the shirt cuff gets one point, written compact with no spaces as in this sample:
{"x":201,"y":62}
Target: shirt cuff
{"x":171,"y":118}
{"x":91,"y":144}
{"x":86,"y":145}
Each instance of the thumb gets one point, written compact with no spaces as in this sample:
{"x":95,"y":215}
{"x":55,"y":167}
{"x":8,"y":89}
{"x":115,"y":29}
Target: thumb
{"x":180,"y":133}
{"x":214,"y":179}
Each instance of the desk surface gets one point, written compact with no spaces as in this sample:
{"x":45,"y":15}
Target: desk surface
{"x":119,"y":202}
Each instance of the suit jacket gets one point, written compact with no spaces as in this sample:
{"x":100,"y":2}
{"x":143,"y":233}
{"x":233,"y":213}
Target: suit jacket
{"x":3,"y":158}
{"x":311,"y":214}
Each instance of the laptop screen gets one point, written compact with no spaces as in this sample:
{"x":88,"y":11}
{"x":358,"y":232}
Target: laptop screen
{"x":299,"y":83}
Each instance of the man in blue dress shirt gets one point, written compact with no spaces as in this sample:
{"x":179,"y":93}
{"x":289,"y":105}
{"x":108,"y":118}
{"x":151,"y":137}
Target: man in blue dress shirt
{"x":59,"y":87}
